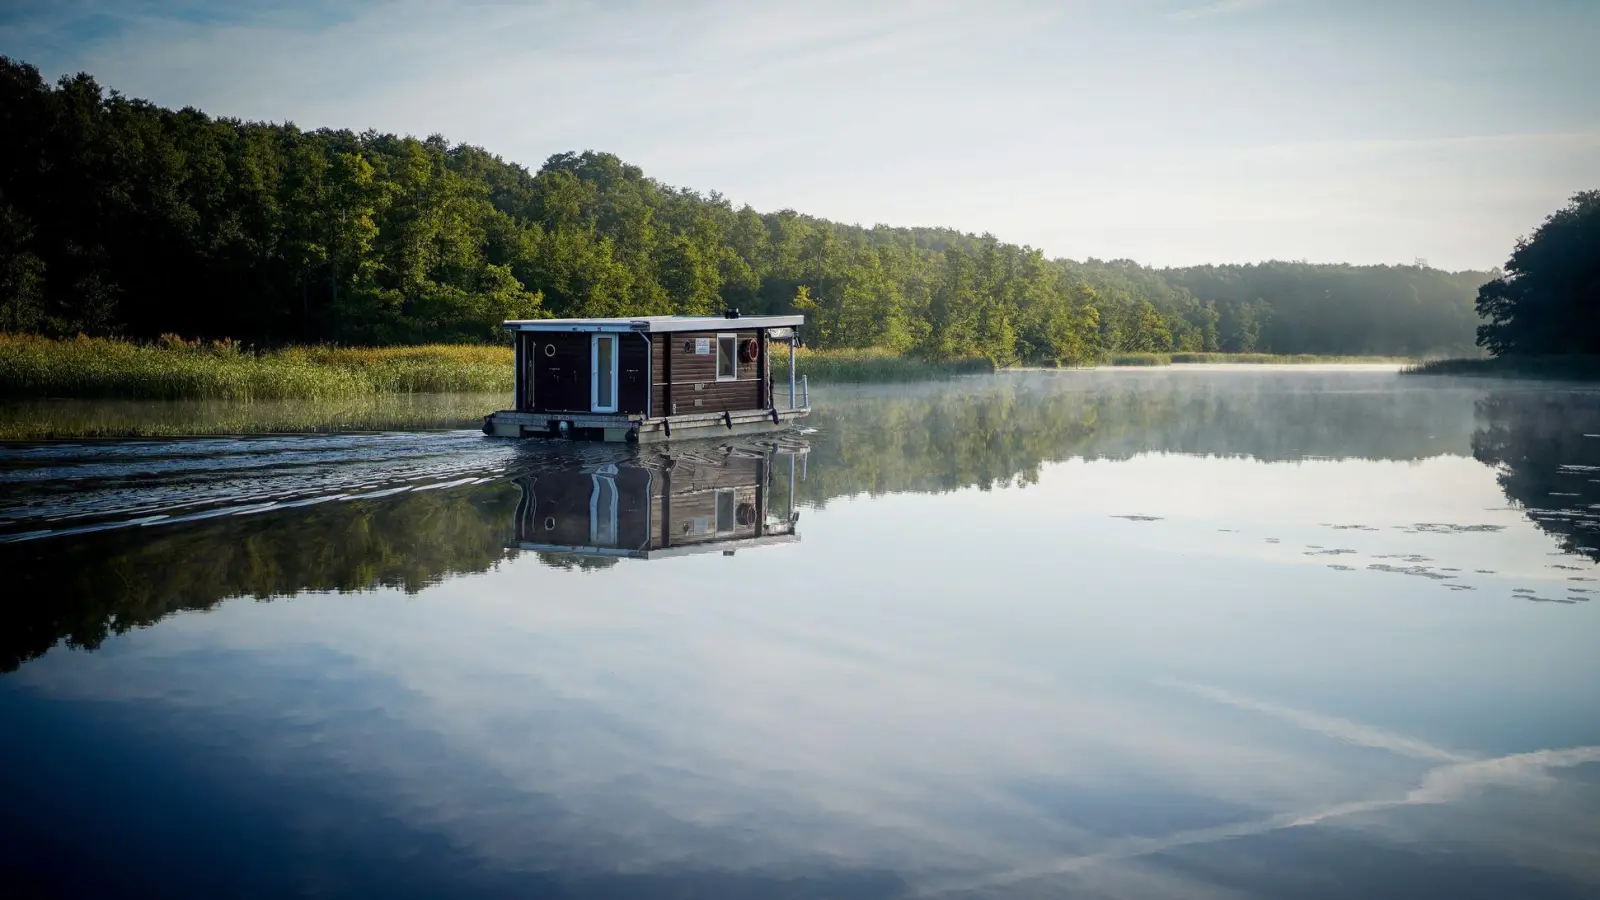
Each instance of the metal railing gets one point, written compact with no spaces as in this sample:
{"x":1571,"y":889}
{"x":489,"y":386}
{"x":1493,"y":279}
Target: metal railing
{"x":804,"y":392}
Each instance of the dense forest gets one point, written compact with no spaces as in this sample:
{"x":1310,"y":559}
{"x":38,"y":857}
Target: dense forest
{"x":1548,"y":300}
{"x":121,"y":217}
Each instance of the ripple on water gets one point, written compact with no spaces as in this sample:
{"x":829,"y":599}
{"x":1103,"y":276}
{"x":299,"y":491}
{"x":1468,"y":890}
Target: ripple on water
{"x":70,"y":488}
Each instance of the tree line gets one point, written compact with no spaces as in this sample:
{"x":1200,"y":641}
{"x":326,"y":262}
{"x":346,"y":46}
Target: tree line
{"x":1548,"y":300}
{"x":121,"y":217}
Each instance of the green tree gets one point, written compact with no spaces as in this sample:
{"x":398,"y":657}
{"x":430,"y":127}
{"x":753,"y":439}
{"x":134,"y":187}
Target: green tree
{"x":1548,"y":300}
{"x":120,"y":216}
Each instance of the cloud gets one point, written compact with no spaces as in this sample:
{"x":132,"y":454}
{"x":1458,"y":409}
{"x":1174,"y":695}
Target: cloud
{"x":1334,"y":727}
{"x":1525,"y":770}
{"x":1458,"y":778}
{"x":1141,"y":141}
{"x":1215,"y":10}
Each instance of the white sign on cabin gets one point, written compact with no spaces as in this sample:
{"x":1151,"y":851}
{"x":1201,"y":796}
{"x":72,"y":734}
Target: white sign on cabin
{"x":702,"y":346}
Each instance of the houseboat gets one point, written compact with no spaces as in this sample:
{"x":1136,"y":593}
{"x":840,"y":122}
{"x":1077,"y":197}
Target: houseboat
{"x":651,"y":378}
{"x":655,"y":506}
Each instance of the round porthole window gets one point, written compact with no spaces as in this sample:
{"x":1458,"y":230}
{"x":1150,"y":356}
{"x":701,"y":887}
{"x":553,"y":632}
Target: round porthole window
{"x":550,"y":523}
{"x":549,"y":349}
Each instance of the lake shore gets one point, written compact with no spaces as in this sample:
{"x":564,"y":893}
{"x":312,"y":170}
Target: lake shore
{"x":54,"y":419}
{"x":1181,"y":358}
{"x":173,"y":369}
{"x":34,"y":368}
{"x":1574,"y":367}
{"x":91,"y":388}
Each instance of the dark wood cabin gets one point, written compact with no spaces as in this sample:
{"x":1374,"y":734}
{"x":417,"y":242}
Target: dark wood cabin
{"x":669,"y":508}
{"x":641,"y":379}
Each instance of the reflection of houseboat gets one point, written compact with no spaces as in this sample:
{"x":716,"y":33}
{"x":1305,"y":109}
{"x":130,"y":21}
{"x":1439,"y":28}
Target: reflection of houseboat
{"x":650,"y":507}
{"x":645,"y":379}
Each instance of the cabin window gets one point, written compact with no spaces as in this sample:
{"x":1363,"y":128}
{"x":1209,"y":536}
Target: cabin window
{"x":727,"y":357}
{"x":725,"y":510}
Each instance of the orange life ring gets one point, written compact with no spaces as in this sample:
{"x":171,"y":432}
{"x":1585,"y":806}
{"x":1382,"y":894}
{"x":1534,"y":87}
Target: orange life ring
{"x":752,"y":350}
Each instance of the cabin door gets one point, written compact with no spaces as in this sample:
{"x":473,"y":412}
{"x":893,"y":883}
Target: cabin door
{"x":603,"y":373}
{"x":603,"y":508}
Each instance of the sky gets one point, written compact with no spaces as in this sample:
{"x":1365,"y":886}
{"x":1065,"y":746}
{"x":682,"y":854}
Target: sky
{"x":1173,"y":132}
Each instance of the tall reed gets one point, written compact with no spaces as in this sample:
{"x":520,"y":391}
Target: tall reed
{"x":873,"y":364}
{"x":1558,"y":366}
{"x":173,"y":369}
{"x":1191,"y":357}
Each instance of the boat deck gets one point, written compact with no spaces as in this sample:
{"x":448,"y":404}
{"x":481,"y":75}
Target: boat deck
{"x":638,"y":427}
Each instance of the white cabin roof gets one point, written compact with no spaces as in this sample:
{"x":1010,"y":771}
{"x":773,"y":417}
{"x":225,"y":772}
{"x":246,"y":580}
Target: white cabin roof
{"x":650,"y":324}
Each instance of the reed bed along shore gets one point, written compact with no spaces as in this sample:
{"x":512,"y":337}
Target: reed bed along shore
{"x":1266,"y":359}
{"x":1573,"y":367}
{"x":172,"y":369}
{"x":33,"y":368}
{"x":870,"y":365}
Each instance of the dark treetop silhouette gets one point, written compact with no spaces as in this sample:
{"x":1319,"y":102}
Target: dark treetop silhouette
{"x":1548,"y":300}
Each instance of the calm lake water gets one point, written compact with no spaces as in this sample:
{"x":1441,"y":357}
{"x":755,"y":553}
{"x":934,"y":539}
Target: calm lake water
{"x":1205,"y":633}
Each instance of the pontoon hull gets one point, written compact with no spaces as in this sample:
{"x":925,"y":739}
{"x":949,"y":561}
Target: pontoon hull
{"x":636,"y":428}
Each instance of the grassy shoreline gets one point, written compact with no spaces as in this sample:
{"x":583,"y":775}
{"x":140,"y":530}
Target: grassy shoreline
{"x":34,"y":368}
{"x":1574,"y":367}
{"x":870,"y":365}
{"x":1177,"y":358}
{"x":92,"y":387}
{"x":99,"y":368}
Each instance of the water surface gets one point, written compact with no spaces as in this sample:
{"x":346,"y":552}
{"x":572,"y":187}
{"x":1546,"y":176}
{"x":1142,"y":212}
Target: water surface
{"x":1118,"y":634}
{"x":34,"y":420}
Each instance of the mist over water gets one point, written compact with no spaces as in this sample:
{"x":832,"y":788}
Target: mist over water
{"x":1276,"y":633}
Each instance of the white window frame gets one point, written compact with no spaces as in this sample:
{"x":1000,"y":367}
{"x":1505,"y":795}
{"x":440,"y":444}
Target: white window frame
{"x":733,"y":510}
{"x":594,"y":371}
{"x":603,"y":510}
{"x":733,"y":357}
